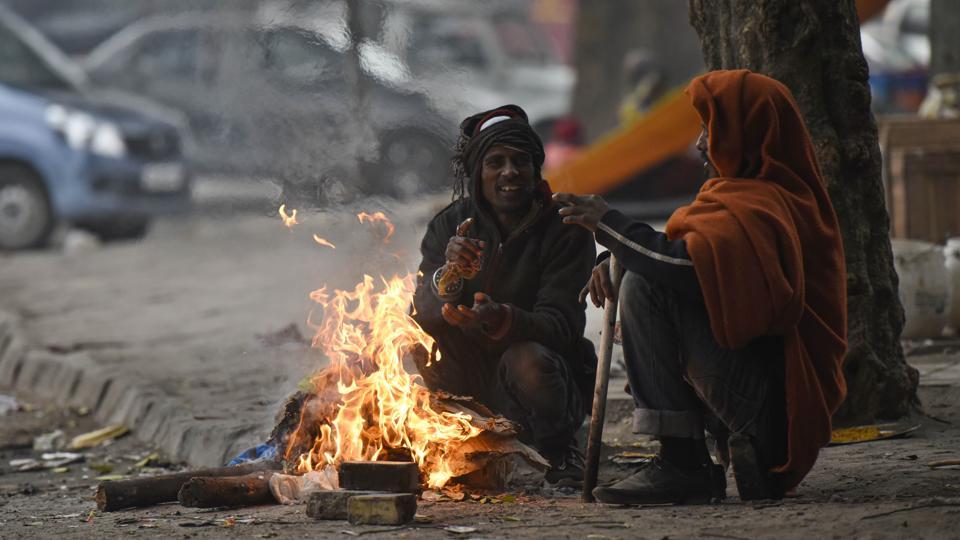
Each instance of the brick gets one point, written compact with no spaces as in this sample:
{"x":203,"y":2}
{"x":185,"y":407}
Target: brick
{"x":389,"y":476}
{"x":385,"y":509}
{"x":332,"y":504}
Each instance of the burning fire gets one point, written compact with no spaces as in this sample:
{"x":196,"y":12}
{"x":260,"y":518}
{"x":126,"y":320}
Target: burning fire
{"x":288,"y":220}
{"x":378,"y":217}
{"x":370,"y":406}
{"x":323,"y":242}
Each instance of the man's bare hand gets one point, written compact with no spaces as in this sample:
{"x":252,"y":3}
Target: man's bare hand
{"x":464,"y":251}
{"x":485,"y":313}
{"x":583,"y":210}
{"x":599,"y":287}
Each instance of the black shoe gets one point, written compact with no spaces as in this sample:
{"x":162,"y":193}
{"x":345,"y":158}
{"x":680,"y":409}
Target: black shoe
{"x":751,"y":475}
{"x":660,"y":482}
{"x":566,"y":467}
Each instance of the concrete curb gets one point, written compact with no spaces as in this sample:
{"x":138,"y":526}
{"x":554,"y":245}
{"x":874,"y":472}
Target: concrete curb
{"x":75,"y":379}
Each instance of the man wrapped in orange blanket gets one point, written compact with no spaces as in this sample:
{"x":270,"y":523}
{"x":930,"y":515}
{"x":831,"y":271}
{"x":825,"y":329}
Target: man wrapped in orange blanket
{"x":734,"y":320}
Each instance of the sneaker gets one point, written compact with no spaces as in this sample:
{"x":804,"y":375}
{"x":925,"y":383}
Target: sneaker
{"x":660,"y":482}
{"x":749,"y":472}
{"x":566,"y":468}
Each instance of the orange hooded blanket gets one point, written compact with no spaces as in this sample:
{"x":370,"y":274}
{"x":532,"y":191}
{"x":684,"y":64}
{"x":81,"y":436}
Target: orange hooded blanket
{"x":766,"y":248}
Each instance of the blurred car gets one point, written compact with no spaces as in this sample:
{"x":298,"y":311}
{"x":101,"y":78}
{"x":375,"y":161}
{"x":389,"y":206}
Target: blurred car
{"x":274,"y":100}
{"x":897,"y":49}
{"x":473,"y":56}
{"x":101,"y":160}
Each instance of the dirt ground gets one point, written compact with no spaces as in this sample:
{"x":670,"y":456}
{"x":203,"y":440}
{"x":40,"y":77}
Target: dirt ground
{"x":883,"y":489}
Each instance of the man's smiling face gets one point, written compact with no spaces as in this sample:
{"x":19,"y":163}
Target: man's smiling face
{"x":507,"y":179}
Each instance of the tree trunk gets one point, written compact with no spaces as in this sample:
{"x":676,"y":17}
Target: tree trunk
{"x":944,"y":37}
{"x":813,"y":46}
{"x":605,"y":31}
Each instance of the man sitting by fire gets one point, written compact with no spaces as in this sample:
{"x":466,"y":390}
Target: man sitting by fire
{"x":498,"y":291}
{"x":734,"y":320}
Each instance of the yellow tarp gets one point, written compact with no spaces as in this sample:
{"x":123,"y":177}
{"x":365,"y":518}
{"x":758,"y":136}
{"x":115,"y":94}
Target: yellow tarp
{"x":666,"y":130}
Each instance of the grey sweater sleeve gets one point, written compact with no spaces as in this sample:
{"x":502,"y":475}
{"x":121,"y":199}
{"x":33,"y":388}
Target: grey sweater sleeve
{"x":642,"y":249}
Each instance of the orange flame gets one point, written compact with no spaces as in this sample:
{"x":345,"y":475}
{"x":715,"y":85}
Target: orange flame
{"x":323,"y":242}
{"x":381,"y":218}
{"x":288,"y":220}
{"x":376,"y":405}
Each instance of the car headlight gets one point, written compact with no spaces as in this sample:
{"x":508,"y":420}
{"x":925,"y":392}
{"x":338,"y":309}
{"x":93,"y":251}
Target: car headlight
{"x":82,"y":131}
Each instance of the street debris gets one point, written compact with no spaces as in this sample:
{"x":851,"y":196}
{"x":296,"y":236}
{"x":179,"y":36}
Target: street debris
{"x":48,"y":442}
{"x":97,"y":437}
{"x":8,"y":404}
{"x":151,"y":490}
{"x":871,"y":432}
{"x":944,"y":463}
{"x":460,"y":529}
{"x":51,"y":460}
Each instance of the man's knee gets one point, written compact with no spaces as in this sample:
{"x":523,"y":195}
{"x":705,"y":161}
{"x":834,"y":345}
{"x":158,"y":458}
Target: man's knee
{"x":528,"y":365}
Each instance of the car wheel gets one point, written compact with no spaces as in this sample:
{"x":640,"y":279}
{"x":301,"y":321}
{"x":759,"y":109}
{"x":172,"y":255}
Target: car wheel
{"x":26,"y":217}
{"x":411,"y":163}
{"x":118,"y":229}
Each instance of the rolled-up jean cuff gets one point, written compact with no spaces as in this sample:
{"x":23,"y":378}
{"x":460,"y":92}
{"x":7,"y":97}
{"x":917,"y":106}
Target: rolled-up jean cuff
{"x":686,"y":424}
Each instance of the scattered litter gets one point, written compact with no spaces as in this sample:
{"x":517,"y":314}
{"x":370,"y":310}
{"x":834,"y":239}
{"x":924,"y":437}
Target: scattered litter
{"x":228,"y":522}
{"x":60,"y":470}
{"x":100,"y":436}
{"x":350,"y":533}
{"x":871,"y":432}
{"x":26,"y":464}
{"x":49,"y":461}
{"x":152,"y":459}
{"x":102,"y":468}
{"x":109,"y":477}
{"x":422,"y":518}
{"x":82,"y":411}
{"x":631,"y":457}
{"x":90,"y":516}
{"x":511,"y":518}
{"x":59,"y":459}
{"x":55,"y":440}
{"x":8,"y":404}
{"x":432,"y":496}
{"x":292,"y":489}
{"x":78,"y":241}
{"x":68,"y":516}
{"x":460,"y":529}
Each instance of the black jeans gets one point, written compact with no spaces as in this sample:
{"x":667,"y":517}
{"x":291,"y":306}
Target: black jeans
{"x":682,"y":381}
{"x":527,"y":383}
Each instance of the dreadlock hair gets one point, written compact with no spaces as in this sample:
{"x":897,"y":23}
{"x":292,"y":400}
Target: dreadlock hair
{"x":511,"y":129}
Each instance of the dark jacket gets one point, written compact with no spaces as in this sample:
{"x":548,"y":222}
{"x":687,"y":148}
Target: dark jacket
{"x":538,"y":271}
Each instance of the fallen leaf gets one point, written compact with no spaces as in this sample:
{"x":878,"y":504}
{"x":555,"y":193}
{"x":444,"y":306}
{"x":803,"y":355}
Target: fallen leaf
{"x":102,"y":468}
{"x":60,"y":470}
{"x":511,"y":518}
{"x":509,"y":499}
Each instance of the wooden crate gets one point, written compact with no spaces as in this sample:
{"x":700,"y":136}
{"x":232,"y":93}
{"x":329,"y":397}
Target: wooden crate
{"x":921,"y":173}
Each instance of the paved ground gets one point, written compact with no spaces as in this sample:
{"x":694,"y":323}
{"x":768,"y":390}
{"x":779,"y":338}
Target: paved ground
{"x":169,"y":336}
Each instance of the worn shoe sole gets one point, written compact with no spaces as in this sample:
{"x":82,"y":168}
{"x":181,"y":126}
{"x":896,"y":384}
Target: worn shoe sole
{"x":748,"y":473}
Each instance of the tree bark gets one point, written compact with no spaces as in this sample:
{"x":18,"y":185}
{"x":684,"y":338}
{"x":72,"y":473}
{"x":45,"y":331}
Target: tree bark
{"x":605,"y":31}
{"x":944,"y":37}
{"x":813,"y":46}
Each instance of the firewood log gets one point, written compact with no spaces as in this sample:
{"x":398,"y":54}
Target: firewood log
{"x":212,"y":492}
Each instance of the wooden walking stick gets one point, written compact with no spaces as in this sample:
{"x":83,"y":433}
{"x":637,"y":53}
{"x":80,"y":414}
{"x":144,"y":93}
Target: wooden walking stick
{"x":600,"y":386}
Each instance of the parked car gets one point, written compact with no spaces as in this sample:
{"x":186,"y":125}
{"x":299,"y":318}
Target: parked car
{"x":68,"y":151}
{"x":274,"y":100}
{"x":467,"y":55}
